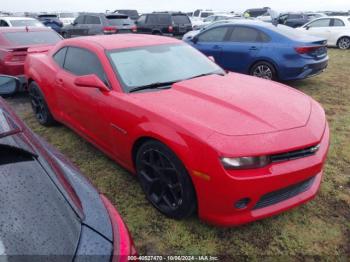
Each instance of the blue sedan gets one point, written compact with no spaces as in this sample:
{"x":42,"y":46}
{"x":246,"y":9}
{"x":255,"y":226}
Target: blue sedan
{"x":262,"y":49}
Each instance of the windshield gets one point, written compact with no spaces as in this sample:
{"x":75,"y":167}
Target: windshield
{"x":19,"y":23}
{"x":160,"y":64}
{"x":33,"y":38}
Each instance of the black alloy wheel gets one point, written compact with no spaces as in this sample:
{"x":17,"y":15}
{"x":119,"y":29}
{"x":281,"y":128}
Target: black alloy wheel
{"x":165,"y":181}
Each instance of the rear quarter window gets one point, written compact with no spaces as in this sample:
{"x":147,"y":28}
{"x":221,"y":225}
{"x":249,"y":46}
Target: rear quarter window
{"x":60,"y":56}
{"x":32,"y":38}
{"x":181,"y":19}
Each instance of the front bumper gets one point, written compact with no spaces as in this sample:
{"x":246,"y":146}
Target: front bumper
{"x":218,"y":205}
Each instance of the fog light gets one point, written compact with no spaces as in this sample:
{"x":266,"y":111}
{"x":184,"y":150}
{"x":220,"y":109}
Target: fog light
{"x":243,"y":203}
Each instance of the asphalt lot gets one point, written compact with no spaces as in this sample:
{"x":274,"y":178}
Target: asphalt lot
{"x":319,"y":228}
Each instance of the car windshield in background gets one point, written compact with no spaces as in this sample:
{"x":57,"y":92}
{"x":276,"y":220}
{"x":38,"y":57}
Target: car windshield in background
{"x":32,"y":38}
{"x":143,"y":66}
{"x":19,"y":23}
{"x":181,"y":19}
{"x":119,"y":20}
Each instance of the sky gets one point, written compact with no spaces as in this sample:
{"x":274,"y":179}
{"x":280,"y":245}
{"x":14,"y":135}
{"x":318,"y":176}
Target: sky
{"x":175,"y":5}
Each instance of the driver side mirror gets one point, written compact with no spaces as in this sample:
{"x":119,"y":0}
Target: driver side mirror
{"x":74,"y":23}
{"x":307,"y":27}
{"x":8,"y":85}
{"x":92,"y":81}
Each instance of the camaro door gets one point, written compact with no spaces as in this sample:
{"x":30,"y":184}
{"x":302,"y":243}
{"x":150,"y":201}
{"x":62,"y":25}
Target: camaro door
{"x":80,"y":105}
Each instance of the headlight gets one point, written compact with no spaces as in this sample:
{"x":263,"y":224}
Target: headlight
{"x":245,"y":162}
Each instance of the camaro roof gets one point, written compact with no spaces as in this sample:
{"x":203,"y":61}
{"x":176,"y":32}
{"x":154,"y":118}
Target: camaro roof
{"x":110,"y":42}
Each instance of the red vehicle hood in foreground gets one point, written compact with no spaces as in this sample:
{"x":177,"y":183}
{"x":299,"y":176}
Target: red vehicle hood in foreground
{"x":233,"y":105}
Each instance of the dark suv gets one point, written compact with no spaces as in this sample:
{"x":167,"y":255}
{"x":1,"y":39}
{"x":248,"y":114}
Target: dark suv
{"x":164,"y":23}
{"x":99,"y":24}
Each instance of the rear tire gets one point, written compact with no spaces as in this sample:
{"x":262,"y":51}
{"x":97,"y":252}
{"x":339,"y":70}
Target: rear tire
{"x":264,"y":70}
{"x":39,"y":106}
{"x":344,"y":43}
{"x":165,"y":180}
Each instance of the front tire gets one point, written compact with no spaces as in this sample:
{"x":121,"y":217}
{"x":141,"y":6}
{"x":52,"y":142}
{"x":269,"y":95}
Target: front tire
{"x":39,"y":106}
{"x":264,"y":70}
{"x":165,"y":181}
{"x":344,"y":43}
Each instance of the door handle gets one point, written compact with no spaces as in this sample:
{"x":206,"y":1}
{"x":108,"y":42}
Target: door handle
{"x":217,"y":47}
{"x":253,"y":48}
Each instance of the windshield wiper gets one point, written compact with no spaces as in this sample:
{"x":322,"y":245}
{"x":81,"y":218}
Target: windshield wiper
{"x":153,"y":86}
{"x":207,"y":74}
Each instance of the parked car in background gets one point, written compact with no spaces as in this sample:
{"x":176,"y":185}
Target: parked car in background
{"x":48,"y":208}
{"x":52,"y":21}
{"x":164,"y":23}
{"x":263,"y":50}
{"x":200,"y":14}
{"x":15,"y":43}
{"x":10,"y":21}
{"x":133,"y":14}
{"x":67,"y":18}
{"x":99,"y":24}
{"x":256,"y":12}
{"x":293,"y":19}
{"x":191,"y":132}
{"x":336,"y":29}
{"x":211,"y":19}
{"x":337,"y":13}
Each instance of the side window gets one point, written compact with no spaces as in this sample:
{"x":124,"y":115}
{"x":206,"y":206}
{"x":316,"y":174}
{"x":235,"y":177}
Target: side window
{"x":60,"y":56}
{"x":245,"y":34}
{"x":214,"y":35}
{"x":338,"y":22}
{"x":142,"y":19}
{"x":196,"y":13}
{"x":3,"y":23}
{"x":92,"y":20}
{"x":80,"y":20}
{"x":320,"y":23}
{"x":83,"y":62}
{"x":152,"y":19}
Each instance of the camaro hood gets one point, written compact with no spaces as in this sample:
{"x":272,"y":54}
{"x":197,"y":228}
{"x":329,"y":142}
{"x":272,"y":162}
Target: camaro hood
{"x":233,"y":104}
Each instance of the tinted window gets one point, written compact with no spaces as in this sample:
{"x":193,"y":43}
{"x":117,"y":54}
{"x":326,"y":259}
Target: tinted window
{"x":320,"y":23}
{"x":119,"y":20}
{"x":294,"y":16}
{"x":206,"y":14}
{"x":196,"y":13}
{"x":60,"y":56}
{"x":33,"y":38}
{"x":214,"y":35}
{"x":152,"y":19}
{"x":82,"y":62}
{"x":338,"y":22}
{"x":80,"y":19}
{"x":181,"y":19}
{"x":92,"y":20}
{"x":3,"y":23}
{"x":164,"y":19}
{"x":245,"y":34}
{"x":142,"y":19}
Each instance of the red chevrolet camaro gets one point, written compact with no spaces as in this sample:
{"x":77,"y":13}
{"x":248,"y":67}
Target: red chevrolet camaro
{"x":232,"y":147}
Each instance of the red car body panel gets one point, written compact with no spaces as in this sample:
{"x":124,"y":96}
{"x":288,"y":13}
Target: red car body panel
{"x":12,"y":55}
{"x":201,"y":120}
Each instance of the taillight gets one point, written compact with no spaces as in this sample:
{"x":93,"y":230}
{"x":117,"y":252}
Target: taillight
{"x":123,"y":245}
{"x":110,"y":30}
{"x":170,"y":29}
{"x":307,"y":49}
{"x":134,"y":29}
{"x":15,"y":57}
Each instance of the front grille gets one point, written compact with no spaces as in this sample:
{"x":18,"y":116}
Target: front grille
{"x":295,"y":154}
{"x":284,"y":194}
